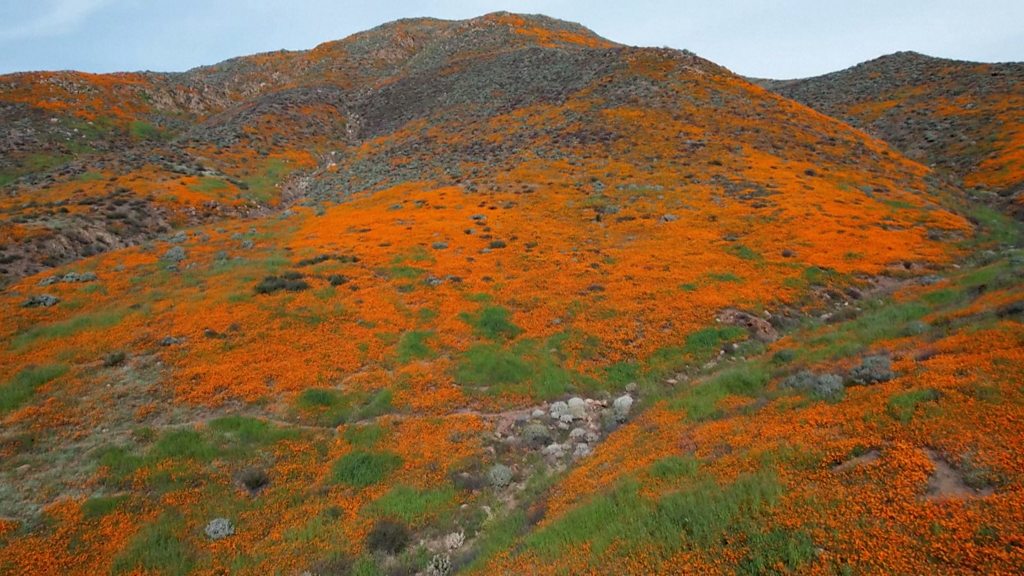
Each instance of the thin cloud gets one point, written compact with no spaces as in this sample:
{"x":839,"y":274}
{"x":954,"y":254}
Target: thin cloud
{"x":57,"y":17}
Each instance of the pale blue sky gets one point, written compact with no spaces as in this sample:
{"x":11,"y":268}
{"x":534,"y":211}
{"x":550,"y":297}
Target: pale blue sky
{"x":773,"y":38}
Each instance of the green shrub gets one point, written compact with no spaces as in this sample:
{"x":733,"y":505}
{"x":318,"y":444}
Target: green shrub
{"x":361,"y":469}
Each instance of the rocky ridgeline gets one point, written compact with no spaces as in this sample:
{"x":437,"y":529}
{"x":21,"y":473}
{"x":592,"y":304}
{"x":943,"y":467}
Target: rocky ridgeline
{"x":937,"y":111}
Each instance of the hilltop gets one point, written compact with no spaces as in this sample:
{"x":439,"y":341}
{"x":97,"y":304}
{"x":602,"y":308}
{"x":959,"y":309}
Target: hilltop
{"x":493,"y":296}
{"x":962,"y":117}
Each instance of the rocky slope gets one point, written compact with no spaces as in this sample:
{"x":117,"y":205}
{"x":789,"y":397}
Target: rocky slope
{"x":494,"y":296}
{"x":966,"y":118}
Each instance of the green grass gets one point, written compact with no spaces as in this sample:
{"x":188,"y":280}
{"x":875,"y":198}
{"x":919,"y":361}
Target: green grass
{"x":788,"y":549}
{"x":70,"y":327}
{"x":674,"y":467}
{"x":413,"y":346}
{"x":363,"y":436}
{"x":903,"y":405}
{"x":25,"y":383}
{"x":237,"y":435}
{"x":744,"y":252}
{"x":208,"y":184}
{"x":120,"y":462}
{"x":702,"y":344}
{"x":491,"y":365}
{"x":263,"y":184}
{"x":701,"y":401}
{"x":727,"y":277}
{"x":850,"y":338}
{"x":694,"y":518}
{"x":329,"y":407}
{"x":332,"y":408}
{"x":184,"y":444}
{"x":403,"y":272}
{"x":410,"y":505}
{"x":157,"y":548}
{"x":360,"y":469}
{"x":99,"y":506}
{"x":493,"y":323}
{"x":141,"y":130}
{"x":377,"y":405}
{"x":996,"y":227}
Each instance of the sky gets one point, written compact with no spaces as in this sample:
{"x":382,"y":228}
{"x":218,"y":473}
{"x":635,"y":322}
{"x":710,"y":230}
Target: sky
{"x":767,"y":38}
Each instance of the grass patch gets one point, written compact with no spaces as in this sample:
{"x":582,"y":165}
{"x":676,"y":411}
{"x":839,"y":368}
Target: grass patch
{"x":493,"y":323}
{"x":70,"y":327}
{"x":411,"y":505}
{"x":25,"y":383}
{"x":701,"y":401}
{"x":99,"y":506}
{"x":360,"y":468}
{"x":744,"y":252}
{"x":329,"y":407}
{"x":674,"y":467}
{"x":413,"y":346}
{"x":156,"y":548}
{"x":902,"y":406}
{"x":703,"y":343}
{"x":778,"y":551}
{"x":262,"y":186}
{"x":363,"y":436}
{"x":242,"y":432}
{"x":491,"y":365}
{"x":695,"y":518}
{"x":183,"y":444}
{"x":727,"y":277}
{"x":141,"y":130}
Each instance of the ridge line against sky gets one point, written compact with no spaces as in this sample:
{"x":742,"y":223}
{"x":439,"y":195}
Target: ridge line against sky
{"x":770,"y":39}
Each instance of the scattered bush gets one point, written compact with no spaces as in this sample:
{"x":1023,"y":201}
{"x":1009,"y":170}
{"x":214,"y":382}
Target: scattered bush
{"x":872,"y":370}
{"x":499,"y":476}
{"x":114,"y":359}
{"x":388,"y":536}
{"x":829,"y":386}
{"x":289,"y":281}
{"x":253,"y":478}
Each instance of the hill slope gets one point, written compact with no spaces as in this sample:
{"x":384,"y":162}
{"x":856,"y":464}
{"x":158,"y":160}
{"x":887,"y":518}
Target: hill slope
{"x":964,"y":117}
{"x":496,"y":296}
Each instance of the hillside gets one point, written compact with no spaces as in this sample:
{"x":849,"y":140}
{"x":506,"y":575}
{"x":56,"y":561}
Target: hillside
{"x":496,"y":296}
{"x":963,"y":117}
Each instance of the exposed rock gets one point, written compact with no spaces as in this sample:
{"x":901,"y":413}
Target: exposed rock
{"x":759,"y":328}
{"x":621,"y":407}
{"x":40,"y":301}
{"x":219,"y":528}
